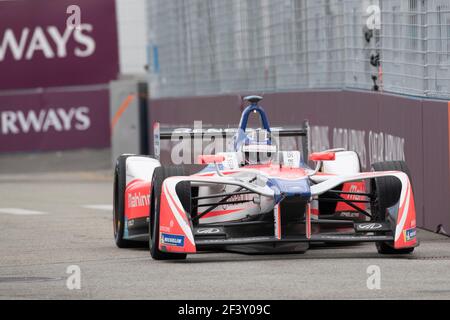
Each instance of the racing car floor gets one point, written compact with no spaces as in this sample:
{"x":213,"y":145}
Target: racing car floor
{"x":56,"y":227}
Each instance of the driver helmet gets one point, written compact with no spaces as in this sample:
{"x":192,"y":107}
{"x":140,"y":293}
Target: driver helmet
{"x":258,"y":148}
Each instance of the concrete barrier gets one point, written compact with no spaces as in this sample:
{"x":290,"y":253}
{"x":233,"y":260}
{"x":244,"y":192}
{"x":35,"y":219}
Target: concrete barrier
{"x":128,"y":111}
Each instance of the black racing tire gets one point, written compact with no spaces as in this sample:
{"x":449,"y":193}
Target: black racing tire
{"x":184,"y":193}
{"x":385,"y":248}
{"x":119,"y":205}
{"x":387,"y":190}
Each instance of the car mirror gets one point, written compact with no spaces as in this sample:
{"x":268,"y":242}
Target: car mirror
{"x":207,"y":159}
{"x":322,"y":156}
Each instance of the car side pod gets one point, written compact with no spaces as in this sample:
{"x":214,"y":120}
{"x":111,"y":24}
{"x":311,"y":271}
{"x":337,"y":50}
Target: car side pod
{"x":175,"y":233}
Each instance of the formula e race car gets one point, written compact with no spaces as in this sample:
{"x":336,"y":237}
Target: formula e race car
{"x":257,"y":198}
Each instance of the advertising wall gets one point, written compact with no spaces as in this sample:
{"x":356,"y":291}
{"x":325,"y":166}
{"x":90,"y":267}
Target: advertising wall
{"x":54,"y":120}
{"x":56,"y":59}
{"x":38,"y":49}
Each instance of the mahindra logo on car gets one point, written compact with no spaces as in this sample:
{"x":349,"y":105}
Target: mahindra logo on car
{"x":354,"y":188}
{"x":208,"y":230}
{"x":370,"y":226}
{"x":48,"y":41}
{"x":138,"y":200}
{"x":58,"y":119}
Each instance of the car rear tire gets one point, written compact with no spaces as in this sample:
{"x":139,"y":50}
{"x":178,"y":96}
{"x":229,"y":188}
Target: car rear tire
{"x":119,"y":206}
{"x":184,"y":194}
{"x":387,"y":190}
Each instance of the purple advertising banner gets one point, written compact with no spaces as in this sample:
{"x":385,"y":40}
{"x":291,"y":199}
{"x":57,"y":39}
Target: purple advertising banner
{"x":41,"y":45}
{"x":55,"y":120}
{"x":379,"y":127}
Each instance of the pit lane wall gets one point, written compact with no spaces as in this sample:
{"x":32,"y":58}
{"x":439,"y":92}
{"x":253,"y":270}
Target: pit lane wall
{"x":378,"y":126}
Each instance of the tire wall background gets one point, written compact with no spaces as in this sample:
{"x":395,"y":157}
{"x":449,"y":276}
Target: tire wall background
{"x":378,"y":126}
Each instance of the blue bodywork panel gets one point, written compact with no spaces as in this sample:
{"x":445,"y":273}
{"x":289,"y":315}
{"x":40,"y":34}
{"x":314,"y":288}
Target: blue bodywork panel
{"x":241,"y":137}
{"x":290,"y":188}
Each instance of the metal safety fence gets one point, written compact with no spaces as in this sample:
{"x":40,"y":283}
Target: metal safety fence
{"x":204,"y":47}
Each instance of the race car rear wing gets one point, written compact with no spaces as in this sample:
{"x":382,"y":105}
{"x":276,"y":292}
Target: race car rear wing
{"x":174,"y":134}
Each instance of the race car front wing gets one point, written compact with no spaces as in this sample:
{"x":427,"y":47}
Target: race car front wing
{"x":180,"y":232}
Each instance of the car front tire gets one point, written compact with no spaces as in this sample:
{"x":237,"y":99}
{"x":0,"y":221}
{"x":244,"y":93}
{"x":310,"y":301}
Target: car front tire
{"x":159,"y":175}
{"x":387,"y":190}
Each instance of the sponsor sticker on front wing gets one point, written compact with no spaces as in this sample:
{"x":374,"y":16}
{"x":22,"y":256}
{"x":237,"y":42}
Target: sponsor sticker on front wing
{"x":410,"y":234}
{"x":172,"y":239}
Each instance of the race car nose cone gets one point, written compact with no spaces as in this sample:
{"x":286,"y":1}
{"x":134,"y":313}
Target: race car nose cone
{"x":289,"y":188}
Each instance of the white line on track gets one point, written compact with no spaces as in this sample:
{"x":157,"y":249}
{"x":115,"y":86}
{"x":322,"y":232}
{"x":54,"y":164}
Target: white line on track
{"x":20,"y":211}
{"x":104,"y":207}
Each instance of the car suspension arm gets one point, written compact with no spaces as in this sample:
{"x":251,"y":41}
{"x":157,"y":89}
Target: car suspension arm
{"x":223,"y":201}
{"x":338,"y":198}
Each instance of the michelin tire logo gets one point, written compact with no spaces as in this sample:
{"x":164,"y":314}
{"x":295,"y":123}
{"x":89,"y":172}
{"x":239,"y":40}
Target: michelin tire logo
{"x":172,"y":239}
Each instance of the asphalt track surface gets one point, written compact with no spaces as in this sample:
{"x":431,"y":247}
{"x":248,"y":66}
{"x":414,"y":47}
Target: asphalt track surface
{"x":49,"y":221}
